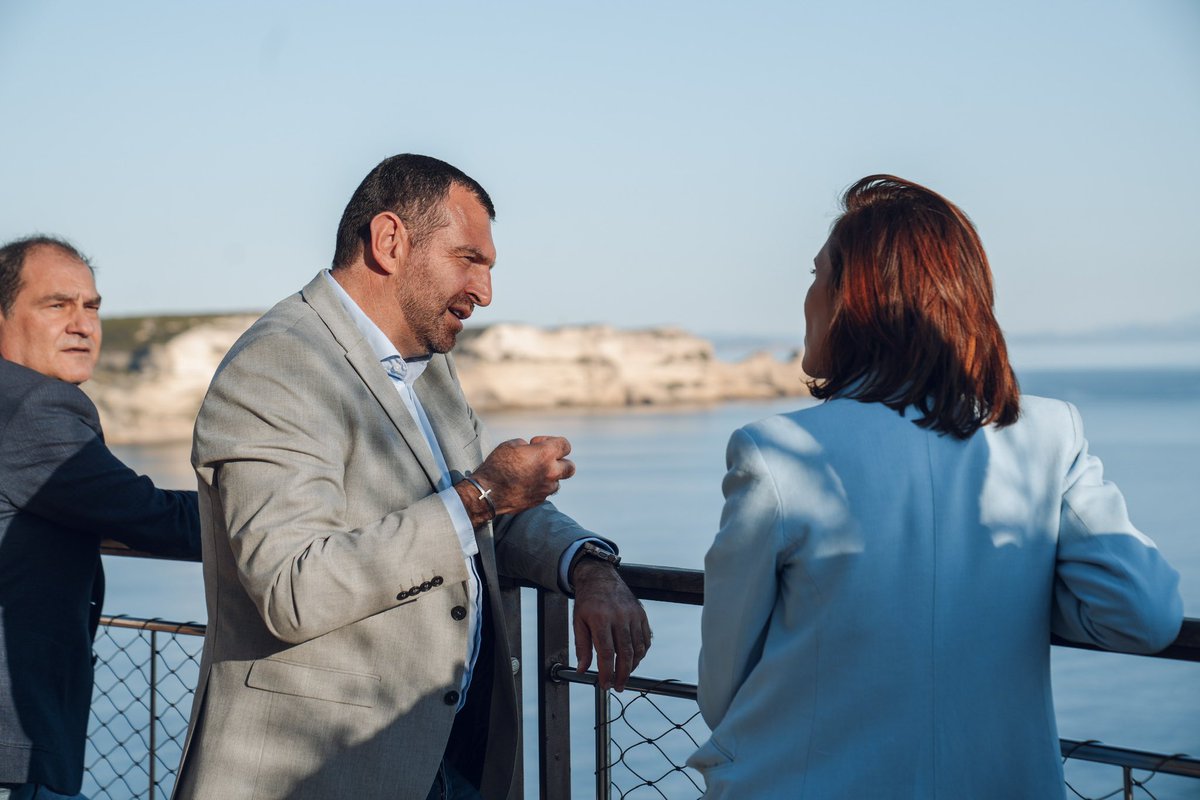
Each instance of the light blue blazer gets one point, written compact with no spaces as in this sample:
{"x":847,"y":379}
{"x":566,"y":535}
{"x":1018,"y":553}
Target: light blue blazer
{"x":879,"y":602}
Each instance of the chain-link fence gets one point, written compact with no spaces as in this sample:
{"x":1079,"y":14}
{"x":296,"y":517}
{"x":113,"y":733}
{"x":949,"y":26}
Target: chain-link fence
{"x":146,"y":672}
{"x":644,"y":738}
{"x":1089,"y":766}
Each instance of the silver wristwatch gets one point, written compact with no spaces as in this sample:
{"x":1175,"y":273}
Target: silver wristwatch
{"x":593,"y":550}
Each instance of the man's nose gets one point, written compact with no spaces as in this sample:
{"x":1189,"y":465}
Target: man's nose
{"x":84,"y":322}
{"x":480,"y":287}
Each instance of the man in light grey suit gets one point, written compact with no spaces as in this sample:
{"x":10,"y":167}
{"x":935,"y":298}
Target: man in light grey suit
{"x":354,"y":533}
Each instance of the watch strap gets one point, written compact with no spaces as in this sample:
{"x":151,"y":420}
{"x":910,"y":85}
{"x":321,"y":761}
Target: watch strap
{"x":593,"y":550}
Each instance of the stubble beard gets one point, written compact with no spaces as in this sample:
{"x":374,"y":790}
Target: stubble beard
{"x":426,"y":313}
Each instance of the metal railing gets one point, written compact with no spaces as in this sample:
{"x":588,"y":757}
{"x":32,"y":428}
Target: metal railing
{"x":687,"y":587}
{"x":141,"y":706}
{"x":146,"y":673}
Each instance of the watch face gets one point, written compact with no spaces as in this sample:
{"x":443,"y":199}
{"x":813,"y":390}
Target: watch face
{"x":596,"y":551}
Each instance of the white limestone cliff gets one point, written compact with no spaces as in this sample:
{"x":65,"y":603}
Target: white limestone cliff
{"x":153,"y":394}
{"x":521,"y":366}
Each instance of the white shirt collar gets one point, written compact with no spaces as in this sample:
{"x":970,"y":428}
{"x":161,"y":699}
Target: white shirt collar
{"x":385,"y":351}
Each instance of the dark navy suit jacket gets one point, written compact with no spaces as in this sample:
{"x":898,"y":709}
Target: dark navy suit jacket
{"x":61,"y":492}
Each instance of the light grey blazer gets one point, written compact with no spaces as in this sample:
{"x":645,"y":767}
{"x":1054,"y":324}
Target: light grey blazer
{"x":334,"y":580}
{"x":879,"y":602}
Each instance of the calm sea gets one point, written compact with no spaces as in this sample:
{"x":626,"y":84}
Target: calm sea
{"x":650,"y":479}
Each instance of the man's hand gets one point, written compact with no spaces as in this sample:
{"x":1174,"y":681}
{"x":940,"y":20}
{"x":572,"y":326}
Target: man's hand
{"x":518,"y":475}
{"x":608,"y":617}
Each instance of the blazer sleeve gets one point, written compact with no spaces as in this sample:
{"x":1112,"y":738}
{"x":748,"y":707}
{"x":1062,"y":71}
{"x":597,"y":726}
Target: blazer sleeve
{"x":531,"y":545}
{"x":272,"y":441}
{"x":1113,"y":588}
{"x":61,"y":470}
{"x":741,"y":578}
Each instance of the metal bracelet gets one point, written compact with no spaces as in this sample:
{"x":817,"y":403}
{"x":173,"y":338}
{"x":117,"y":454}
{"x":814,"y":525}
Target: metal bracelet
{"x":484,"y":494}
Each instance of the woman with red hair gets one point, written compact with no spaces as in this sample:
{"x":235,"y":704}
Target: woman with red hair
{"x":891,"y":563}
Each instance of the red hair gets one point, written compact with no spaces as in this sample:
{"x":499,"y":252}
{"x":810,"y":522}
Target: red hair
{"x":912,"y":321}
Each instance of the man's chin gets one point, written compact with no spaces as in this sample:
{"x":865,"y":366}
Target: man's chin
{"x":438,"y":347}
{"x":444,"y":341}
{"x":73,"y":373}
{"x":441,"y":339}
{"x":74,"y":376}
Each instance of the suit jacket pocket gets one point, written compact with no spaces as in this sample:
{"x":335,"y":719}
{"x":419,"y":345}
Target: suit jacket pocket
{"x":319,"y":683}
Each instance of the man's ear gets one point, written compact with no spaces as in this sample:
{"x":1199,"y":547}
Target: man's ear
{"x":389,"y":244}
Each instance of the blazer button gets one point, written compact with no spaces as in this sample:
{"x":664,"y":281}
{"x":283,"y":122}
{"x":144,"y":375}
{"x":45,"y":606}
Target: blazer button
{"x":437,"y":580}
{"x":458,"y":612}
{"x":426,"y":586}
{"x":451,"y":698}
{"x":516,"y":666}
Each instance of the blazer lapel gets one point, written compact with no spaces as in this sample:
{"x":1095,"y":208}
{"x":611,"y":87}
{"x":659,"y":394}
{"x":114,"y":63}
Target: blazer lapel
{"x":320,"y":296}
{"x":448,"y":413}
{"x":444,"y":404}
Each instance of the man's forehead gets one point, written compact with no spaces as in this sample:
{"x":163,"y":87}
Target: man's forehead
{"x":462,"y":204}
{"x":470,"y":228}
{"x":47,"y":258}
{"x":49,"y":251}
{"x":50,"y":271}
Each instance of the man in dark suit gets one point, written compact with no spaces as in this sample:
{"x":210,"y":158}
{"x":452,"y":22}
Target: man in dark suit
{"x":61,"y":492}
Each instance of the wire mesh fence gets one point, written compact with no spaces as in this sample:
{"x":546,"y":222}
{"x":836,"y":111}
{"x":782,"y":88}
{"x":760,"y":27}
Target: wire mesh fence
{"x":1089,"y":767}
{"x":644,"y":739}
{"x":146,"y":672}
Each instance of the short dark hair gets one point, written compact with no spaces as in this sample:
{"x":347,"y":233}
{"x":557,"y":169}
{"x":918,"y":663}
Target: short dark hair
{"x":12,"y":262}
{"x":413,"y":187}
{"x":913,"y":321}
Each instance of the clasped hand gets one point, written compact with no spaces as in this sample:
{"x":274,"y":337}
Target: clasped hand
{"x":523,"y":474}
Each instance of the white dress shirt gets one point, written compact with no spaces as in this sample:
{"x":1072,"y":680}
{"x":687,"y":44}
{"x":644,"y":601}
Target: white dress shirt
{"x":404,"y":374}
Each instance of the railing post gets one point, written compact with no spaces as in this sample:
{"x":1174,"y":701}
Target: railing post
{"x":554,"y":699}
{"x":1128,"y":775}
{"x":153,"y":710}
{"x":510,"y":598}
{"x":603,"y":744}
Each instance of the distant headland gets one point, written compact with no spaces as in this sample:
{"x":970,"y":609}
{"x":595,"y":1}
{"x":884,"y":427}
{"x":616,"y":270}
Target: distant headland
{"x":154,"y":371}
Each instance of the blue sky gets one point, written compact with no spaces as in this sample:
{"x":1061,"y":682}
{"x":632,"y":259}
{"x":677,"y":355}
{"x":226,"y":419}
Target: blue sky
{"x":652,"y":163}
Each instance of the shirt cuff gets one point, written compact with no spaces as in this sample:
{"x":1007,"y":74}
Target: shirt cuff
{"x":564,"y":563}
{"x":461,"y":521}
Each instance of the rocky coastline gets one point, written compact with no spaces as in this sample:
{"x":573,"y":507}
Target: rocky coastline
{"x":155,"y":371}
